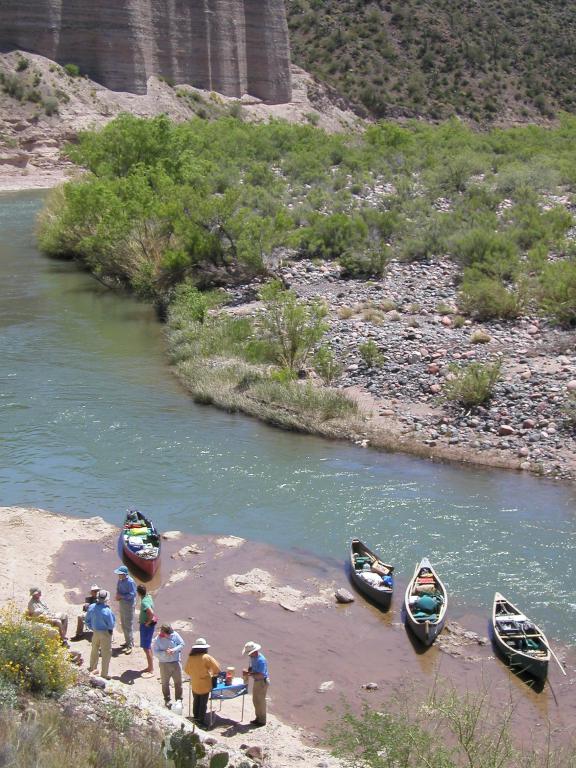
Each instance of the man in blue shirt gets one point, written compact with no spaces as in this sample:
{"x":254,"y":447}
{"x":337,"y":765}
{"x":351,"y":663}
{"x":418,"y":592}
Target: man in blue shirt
{"x":168,"y":649}
{"x":258,"y":671}
{"x":126,"y":595}
{"x":101,"y":621}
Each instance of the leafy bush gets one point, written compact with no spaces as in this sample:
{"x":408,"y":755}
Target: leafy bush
{"x":484,"y":247}
{"x":292,"y":327}
{"x":557,"y":291}
{"x":331,"y":236}
{"x":50,"y":105}
{"x":485,"y":298}
{"x":370,"y":354}
{"x":8,"y":694}
{"x":31,"y":654}
{"x":23,"y":64}
{"x":472,"y":384}
{"x":326,"y":365}
{"x":368,"y":263}
{"x":72,"y":69}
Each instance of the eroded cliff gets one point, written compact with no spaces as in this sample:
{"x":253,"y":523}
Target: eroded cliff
{"x":230,"y":46}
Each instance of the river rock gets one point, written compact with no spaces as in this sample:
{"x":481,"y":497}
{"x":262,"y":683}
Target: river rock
{"x":326,"y":686}
{"x":343,"y":596}
{"x":171,"y":535}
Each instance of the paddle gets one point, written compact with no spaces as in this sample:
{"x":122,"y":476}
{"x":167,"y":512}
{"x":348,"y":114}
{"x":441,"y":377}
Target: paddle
{"x":556,"y":659}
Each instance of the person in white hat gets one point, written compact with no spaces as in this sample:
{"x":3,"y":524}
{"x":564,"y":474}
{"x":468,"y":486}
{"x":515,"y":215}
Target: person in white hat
{"x":258,"y":671}
{"x":91,"y":598}
{"x":201,"y":668}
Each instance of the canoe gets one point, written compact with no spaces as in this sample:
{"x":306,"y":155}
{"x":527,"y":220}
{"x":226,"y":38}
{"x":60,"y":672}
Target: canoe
{"x":426,"y":602}
{"x":141,"y":541}
{"x":519,"y":640}
{"x":379,"y":593}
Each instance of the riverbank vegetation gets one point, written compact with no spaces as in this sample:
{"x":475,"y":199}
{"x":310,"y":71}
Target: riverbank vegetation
{"x":215,"y":202}
{"x":168,"y":210}
{"x":446,"y":730}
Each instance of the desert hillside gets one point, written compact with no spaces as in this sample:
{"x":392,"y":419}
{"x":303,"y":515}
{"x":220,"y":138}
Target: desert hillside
{"x":491,"y":61}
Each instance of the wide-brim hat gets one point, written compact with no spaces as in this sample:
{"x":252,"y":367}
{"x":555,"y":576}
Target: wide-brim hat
{"x":250,"y":647}
{"x":199,"y":644}
{"x":35,"y":590}
{"x":94,"y":588}
{"x":121,"y":570}
{"x":103,"y":595}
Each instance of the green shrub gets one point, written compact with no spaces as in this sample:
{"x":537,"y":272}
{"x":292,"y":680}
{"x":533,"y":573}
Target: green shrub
{"x":370,"y":354}
{"x":326,"y":365}
{"x":472,"y":384}
{"x":119,"y":717}
{"x":50,"y":104}
{"x":8,"y":694}
{"x":557,"y":291}
{"x":485,"y":298}
{"x":31,"y":654}
{"x":481,"y":247}
{"x":23,"y":64}
{"x":368,"y":263}
{"x":72,"y":69}
{"x":331,"y":236}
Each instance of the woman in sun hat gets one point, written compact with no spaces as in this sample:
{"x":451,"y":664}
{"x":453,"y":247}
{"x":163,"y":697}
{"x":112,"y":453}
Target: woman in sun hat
{"x":201,"y":668}
{"x":258,"y":671}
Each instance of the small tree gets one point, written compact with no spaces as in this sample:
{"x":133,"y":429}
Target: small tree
{"x":293,"y":327}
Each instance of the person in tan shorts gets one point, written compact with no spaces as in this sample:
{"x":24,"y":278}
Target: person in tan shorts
{"x":258,"y":671}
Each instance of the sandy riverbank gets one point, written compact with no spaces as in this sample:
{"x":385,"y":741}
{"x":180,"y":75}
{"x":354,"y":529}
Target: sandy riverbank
{"x":320,"y":653}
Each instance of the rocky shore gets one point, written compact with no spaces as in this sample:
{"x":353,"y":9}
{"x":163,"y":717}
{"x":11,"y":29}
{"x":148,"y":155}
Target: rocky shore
{"x":410,"y":316}
{"x":321,"y":653}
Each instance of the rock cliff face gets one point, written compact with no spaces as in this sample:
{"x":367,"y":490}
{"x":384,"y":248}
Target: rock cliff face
{"x":230,"y":46}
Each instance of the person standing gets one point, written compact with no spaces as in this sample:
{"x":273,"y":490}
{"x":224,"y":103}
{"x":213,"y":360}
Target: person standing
{"x":147,"y":626}
{"x":258,"y":671}
{"x":201,"y":667}
{"x":168,"y":649}
{"x":126,"y":595}
{"x":101,"y":621}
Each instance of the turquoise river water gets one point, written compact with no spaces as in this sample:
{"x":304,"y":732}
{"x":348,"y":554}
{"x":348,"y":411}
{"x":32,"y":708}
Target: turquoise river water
{"x":92,"y":421}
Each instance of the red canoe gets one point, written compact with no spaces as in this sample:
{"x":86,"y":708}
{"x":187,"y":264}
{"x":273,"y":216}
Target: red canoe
{"x":141,"y":542}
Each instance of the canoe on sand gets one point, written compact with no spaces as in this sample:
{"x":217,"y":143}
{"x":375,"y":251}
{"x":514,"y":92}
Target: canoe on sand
{"x":426,"y":602}
{"x":141,"y":542}
{"x":376,"y":580}
{"x":520,"y":641}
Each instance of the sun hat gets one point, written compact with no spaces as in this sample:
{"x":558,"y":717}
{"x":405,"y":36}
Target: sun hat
{"x":102,"y":596}
{"x":34,"y":590}
{"x":199,"y":644}
{"x":122,"y":570}
{"x":94,"y":588}
{"x":250,"y":647}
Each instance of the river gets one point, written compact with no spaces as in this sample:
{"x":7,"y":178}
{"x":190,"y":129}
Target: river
{"x":93,"y":422}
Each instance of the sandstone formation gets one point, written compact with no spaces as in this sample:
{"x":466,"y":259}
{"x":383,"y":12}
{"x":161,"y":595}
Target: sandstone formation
{"x":230,"y":46}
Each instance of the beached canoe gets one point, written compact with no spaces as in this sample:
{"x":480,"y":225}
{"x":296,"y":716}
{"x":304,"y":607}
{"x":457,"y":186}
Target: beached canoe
{"x":376,"y":581}
{"x":426,"y":602}
{"x":521,"y":642}
{"x":141,"y":541}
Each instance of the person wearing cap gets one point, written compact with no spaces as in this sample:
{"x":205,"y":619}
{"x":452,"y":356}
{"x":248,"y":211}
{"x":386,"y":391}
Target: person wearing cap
{"x":168,"y":649}
{"x":147,"y":626}
{"x":37,"y":609}
{"x":101,"y":621}
{"x":94,"y":589}
{"x":258,"y":671}
{"x":126,"y":595}
{"x":201,"y":667}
